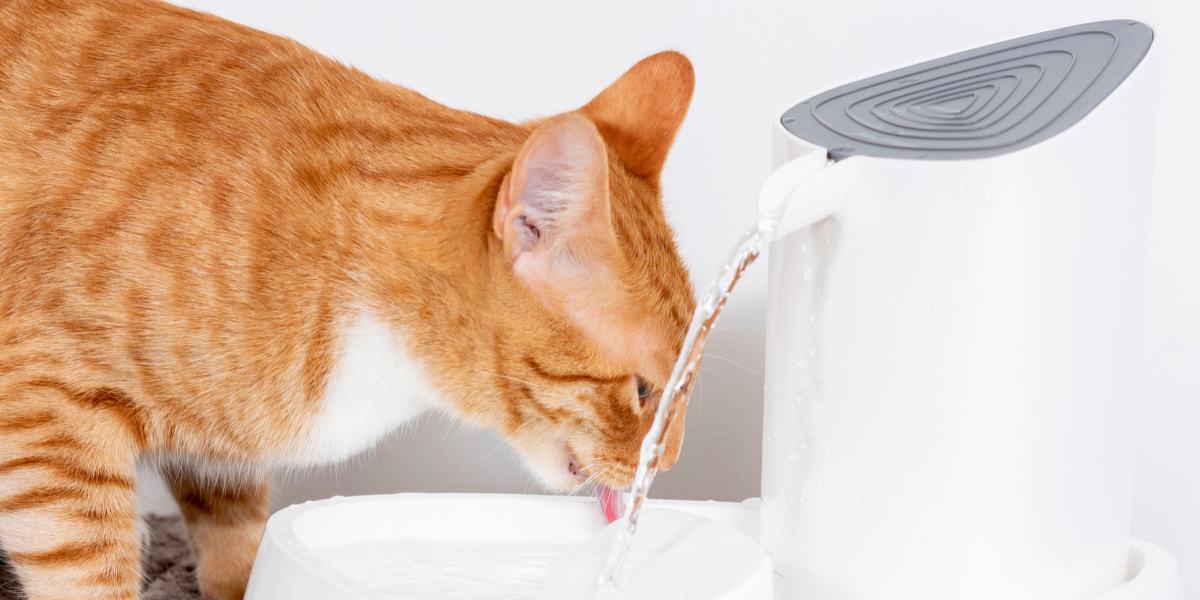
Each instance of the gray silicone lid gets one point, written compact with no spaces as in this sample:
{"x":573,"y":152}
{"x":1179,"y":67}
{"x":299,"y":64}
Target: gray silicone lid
{"x":982,"y":102}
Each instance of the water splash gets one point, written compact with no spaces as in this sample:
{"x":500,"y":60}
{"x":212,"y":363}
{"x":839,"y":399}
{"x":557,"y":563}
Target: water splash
{"x":678,"y":386}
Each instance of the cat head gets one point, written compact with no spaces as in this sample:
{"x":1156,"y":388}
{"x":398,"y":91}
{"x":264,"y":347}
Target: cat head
{"x":579,"y":223}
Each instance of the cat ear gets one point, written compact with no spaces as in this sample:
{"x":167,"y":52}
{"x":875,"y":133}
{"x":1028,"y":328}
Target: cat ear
{"x":555,"y":200}
{"x":639,"y":114}
{"x":552,"y":214}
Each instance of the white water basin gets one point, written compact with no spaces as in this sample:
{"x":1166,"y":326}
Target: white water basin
{"x":486,"y":546}
{"x":492,"y":546}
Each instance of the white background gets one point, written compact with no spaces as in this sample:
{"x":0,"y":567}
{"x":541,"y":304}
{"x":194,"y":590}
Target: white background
{"x":528,"y":58}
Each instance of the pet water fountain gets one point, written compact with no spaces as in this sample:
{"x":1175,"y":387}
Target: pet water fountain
{"x":953,"y":330}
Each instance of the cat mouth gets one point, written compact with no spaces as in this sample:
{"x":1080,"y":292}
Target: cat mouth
{"x":610,"y":500}
{"x":615,"y":476}
{"x":574,"y":467}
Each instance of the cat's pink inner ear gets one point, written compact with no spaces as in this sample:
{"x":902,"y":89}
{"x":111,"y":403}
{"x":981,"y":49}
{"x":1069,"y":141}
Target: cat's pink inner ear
{"x":556,"y":198}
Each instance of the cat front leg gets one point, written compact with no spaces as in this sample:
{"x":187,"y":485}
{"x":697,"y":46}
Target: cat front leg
{"x":225,"y":521}
{"x":68,"y":514}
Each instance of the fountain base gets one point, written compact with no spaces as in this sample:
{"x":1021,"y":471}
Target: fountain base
{"x":370,"y":547}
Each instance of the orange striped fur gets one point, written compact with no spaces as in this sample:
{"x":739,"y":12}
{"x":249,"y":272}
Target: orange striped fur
{"x":196,"y":216}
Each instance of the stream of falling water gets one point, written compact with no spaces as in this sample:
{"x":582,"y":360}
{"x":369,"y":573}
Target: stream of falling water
{"x":678,"y":387}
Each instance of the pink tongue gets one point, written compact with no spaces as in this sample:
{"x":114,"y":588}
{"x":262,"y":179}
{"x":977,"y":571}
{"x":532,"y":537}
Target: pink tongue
{"x":610,"y":501}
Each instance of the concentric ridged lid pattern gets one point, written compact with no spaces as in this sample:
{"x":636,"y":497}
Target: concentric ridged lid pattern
{"x":978,"y":103}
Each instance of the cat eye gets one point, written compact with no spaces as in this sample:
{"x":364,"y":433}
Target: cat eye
{"x":644,"y":390}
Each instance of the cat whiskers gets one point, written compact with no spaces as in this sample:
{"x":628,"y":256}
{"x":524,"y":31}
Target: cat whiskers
{"x":591,"y":478}
{"x":515,"y":430}
{"x":725,"y":327}
{"x":528,"y":422}
{"x":733,"y":362}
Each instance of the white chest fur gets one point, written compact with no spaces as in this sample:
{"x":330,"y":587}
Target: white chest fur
{"x":375,"y":387}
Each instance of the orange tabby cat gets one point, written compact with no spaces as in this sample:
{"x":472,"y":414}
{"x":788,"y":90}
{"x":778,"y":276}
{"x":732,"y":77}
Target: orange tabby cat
{"x":222,"y":253}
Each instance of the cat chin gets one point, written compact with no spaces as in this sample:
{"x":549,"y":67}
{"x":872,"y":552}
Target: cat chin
{"x":553,"y":469}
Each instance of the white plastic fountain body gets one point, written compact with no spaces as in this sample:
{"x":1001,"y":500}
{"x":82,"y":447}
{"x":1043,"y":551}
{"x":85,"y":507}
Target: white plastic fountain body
{"x":954,"y":323}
